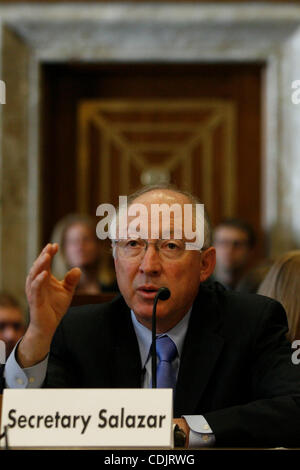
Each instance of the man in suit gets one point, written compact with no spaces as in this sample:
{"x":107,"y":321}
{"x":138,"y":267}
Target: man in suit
{"x":235,"y":382}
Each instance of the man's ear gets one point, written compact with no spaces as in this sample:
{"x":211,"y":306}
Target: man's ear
{"x":207,"y":263}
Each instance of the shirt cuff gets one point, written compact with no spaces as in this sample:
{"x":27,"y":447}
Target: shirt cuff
{"x":201,"y":434}
{"x":29,"y":377}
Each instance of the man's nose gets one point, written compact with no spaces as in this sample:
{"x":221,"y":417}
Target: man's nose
{"x":150,"y":263}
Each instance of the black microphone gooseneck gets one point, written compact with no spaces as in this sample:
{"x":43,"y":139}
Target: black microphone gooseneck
{"x":163,"y":293}
{"x":2,"y":381}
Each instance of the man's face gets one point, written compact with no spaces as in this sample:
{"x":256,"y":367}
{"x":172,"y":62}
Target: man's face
{"x":232,"y":248}
{"x":11,"y":327}
{"x":81,"y":246}
{"x":139,"y":279}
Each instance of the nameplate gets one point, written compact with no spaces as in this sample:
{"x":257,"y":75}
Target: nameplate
{"x":88,"y":418}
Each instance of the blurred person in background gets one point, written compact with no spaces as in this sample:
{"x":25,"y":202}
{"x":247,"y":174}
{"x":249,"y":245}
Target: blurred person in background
{"x":234,"y":240}
{"x":249,"y":284}
{"x":80,"y":247}
{"x":12,"y":322}
{"x":282,"y":283}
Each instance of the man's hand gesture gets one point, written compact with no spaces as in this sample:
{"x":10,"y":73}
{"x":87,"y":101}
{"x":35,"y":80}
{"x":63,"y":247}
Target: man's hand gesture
{"x":48,"y":301}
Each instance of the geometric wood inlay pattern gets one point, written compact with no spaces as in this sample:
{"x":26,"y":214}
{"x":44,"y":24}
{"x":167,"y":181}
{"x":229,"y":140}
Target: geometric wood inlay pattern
{"x":123,"y":144}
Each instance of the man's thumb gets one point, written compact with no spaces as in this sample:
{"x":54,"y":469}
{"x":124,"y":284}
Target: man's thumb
{"x":72,"y":278}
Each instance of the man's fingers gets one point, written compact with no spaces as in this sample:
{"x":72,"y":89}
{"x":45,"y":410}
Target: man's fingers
{"x":49,"y":247}
{"x":38,"y":266}
{"x":37,"y":285}
{"x":71,"y":279}
{"x":45,"y":249}
{"x":53,"y":249}
{"x":43,"y":262}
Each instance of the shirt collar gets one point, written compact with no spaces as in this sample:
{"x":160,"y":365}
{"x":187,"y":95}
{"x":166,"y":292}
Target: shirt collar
{"x":144,"y":335}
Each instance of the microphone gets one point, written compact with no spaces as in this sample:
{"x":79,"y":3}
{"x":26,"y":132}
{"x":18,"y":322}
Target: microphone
{"x":163,"y":293}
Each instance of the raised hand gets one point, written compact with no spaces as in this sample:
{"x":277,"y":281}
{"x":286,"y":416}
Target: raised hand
{"x":48,"y":300}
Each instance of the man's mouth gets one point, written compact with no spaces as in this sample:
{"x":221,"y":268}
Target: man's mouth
{"x":148,"y":291}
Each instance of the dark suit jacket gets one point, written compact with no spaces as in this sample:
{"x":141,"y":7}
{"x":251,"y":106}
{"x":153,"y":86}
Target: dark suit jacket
{"x":235,"y":368}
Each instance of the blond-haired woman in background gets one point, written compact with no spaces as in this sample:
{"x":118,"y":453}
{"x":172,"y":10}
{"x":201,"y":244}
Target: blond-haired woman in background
{"x":80,"y":247}
{"x":282,"y":283}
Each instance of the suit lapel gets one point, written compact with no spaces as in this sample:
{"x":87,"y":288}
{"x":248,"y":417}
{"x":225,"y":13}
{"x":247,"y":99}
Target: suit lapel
{"x":202,"y":347}
{"x":126,"y":361}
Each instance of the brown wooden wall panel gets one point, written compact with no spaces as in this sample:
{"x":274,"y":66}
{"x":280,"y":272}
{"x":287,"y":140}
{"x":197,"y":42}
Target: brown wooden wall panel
{"x":103,"y":115}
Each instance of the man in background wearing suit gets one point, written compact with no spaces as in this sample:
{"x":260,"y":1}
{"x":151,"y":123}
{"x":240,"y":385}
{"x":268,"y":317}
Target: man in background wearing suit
{"x":234,"y":240}
{"x":235,"y":382}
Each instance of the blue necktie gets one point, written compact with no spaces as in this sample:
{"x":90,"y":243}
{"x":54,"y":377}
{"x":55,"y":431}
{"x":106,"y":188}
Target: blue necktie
{"x":166,"y":351}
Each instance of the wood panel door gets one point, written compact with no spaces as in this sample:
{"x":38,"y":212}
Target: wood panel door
{"x":108,"y":129}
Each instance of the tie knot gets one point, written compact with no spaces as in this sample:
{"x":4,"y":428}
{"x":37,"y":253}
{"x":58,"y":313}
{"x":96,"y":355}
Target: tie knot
{"x":166,"y":348}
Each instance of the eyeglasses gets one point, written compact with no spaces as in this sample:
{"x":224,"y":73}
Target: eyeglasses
{"x":135,"y":248}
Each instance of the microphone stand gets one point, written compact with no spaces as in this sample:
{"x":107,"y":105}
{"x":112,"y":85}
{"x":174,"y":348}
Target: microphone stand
{"x":163,"y":293}
{"x":153,"y":350}
{"x":1,"y":378}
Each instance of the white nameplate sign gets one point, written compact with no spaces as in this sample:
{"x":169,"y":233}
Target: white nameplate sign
{"x":88,"y":417}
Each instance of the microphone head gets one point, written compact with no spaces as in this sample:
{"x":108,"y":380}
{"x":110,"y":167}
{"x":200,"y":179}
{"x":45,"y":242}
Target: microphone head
{"x":163,"y":293}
